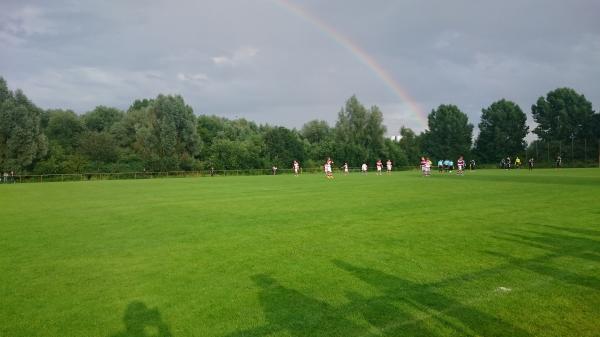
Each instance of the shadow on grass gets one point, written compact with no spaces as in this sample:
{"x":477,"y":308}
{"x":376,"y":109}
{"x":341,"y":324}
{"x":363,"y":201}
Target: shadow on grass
{"x":434,"y":314}
{"x":582,"y":231}
{"x":579,"y":243}
{"x":404,"y":308}
{"x":141,"y":321}
{"x":290,"y":312}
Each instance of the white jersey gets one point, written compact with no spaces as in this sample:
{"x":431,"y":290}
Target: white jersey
{"x":364,"y":167}
{"x":327,"y":167}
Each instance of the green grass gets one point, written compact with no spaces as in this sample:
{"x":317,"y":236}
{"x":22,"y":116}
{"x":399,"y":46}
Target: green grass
{"x":397,"y":255}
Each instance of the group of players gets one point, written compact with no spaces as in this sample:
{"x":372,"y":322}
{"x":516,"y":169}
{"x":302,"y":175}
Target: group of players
{"x":327,"y":168}
{"x":445,"y":166}
{"x":507,"y":164}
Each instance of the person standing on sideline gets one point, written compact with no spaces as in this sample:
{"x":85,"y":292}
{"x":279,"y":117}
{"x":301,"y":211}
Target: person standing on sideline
{"x":364,"y":168}
{"x":530,"y":163}
{"x":388,"y":165}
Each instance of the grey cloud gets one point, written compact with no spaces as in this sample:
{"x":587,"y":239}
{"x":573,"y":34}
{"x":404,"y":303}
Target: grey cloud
{"x":257,"y":60}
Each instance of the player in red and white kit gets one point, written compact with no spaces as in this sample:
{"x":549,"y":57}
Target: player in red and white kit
{"x":328,"y":172}
{"x":379,"y":165}
{"x":388,"y":165}
{"x":296,"y":167}
{"x":461,"y":166}
{"x":423,"y":166}
{"x":427,"y":166}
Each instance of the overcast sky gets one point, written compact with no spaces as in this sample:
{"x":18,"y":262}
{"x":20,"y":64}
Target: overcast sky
{"x":262,"y":61}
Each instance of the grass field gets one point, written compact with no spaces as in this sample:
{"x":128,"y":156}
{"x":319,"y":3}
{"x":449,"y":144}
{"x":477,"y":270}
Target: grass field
{"x":491,"y":253}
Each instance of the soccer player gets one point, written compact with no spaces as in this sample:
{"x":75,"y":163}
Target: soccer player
{"x":441,"y":166}
{"x":472,"y":164}
{"x":423,"y":164}
{"x":461,"y":165}
{"x":446,"y":165}
{"x":328,"y":172}
{"x":517,"y":162}
{"x":379,"y":165}
{"x":345,"y":167}
{"x":450,"y":166}
{"x":530,"y":163}
{"x":296,"y":167}
{"x":364,"y":168}
{"x":388,"y":164}
{"x":508,"y":163}
{"x":558,"y":161}
{"x":428,"y":166}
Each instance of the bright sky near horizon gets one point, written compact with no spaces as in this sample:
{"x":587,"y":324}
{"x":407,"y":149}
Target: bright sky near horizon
{"x":286,"y":62}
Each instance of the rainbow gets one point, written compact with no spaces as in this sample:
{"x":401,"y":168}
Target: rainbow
{"x":360,"y":54}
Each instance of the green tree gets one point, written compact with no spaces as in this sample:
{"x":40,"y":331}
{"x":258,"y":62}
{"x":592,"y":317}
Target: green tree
{"x":162,"y":132}
{"x":319,"y":138}
{"x":64,"y":128}
{"x":229,"y":154}
{"x":562,"y":113}
{"x":98,"y":146}
{"x":359,"y":133}
{"x":22,"y":142}
{"x":140,"y":104}
{"x":393,"y":150}
{"x":450,"y":133}
{"x":596,"y":132}
{"x":5,"y":93}
{"x":410,"y":143}
{"x":282,"y":146}
{"x":316,"y":131}
{"x":102,"y":118}
{"x":502,"y":132}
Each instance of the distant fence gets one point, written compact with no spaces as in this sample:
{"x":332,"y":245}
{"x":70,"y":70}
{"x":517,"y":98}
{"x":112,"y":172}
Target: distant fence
{"x":40,"y":178}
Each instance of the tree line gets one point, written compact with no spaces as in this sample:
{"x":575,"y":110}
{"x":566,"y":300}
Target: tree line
{"x":164,"y":134}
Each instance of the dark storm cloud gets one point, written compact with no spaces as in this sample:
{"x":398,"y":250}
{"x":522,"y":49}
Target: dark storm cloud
{"x":258,"y":60}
